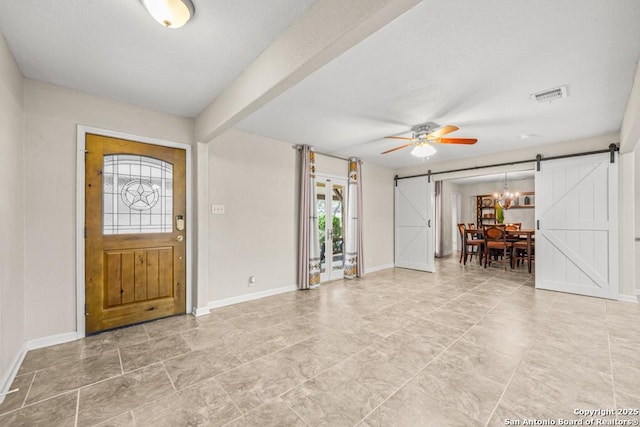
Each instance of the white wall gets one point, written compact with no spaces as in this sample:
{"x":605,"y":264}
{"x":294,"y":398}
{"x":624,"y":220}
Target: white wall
{"x":256,"y":179}
{"x":377,"y":222}
{"x":448,"y":189}
{"x":12,"y":197}
{"x":52,"y":113}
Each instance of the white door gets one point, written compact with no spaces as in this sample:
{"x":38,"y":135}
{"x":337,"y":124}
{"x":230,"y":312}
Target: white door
{"x":414,"y":213}
{"x":577,"y":226}
{"x":331,"y":201}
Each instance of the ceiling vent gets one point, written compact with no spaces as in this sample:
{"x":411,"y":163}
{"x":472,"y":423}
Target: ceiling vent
{"x":550,"y":94}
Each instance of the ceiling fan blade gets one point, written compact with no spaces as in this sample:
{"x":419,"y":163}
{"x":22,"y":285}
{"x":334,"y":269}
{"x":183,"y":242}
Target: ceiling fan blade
{"x":397,"y":148}
{"x":399,"y":137}
{"x":467,"y":141}
{"x":441,"y":131}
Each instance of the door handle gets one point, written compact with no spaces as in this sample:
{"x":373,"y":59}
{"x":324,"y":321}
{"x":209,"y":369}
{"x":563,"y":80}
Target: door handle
{"x":429,"y":223}
{"x":180,"y":238}
{"x":538,"y":224}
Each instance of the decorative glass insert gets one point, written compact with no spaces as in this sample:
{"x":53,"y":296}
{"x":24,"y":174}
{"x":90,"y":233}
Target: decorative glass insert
{"x":137,"y":195}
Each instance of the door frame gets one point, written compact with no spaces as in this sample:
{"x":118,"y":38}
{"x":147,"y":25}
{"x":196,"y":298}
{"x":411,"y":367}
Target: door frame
{"x":81,"y":133}
{"x":345,"y":205}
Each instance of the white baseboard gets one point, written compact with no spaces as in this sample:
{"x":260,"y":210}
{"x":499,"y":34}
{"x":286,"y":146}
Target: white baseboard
{"x":10,"y":375}
{"x":249,"y":297}
{"x":200,"y":311}
{"x":638,"y":292}
{"x":52,"y":340}
{"x":628,"y":298}
{"x":378,"y":268}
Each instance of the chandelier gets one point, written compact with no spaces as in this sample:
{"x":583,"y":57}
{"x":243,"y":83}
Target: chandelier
{"x":506,"y":198}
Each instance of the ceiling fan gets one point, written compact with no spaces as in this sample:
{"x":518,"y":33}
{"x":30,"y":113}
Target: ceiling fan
{"x":423,"y":135}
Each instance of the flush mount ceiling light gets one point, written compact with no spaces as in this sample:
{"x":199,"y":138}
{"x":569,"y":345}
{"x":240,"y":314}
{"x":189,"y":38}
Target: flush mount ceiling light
{"x":170,"y":13}
{"x":423,"y":150}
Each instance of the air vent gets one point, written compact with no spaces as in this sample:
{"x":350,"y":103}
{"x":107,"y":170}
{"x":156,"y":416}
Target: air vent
{"x":550,"y":95}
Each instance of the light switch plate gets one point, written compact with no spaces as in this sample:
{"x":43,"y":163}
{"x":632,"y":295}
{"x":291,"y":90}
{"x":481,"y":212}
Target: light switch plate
{"x":217,"y":209}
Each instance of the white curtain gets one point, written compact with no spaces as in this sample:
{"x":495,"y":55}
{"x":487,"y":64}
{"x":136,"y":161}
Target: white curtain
{"x":309,"y":245}
{"x":354,"y":261}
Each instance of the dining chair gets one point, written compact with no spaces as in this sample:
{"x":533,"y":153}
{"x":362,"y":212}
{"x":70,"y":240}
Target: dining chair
{"x":471,"y":226}
{"x":470,"y":245}
{"x":496,"y":246}
{"x":520,"y":254}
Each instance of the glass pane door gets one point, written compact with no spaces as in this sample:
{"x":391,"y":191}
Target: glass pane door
{"x":330,"y":203}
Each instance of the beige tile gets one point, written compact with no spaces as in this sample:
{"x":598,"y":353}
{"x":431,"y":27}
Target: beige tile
{"x":388,"y":364}
{"x":102,"y":401}
{"x":152,"y":351}
{"x":314,"y":355}
{"x":63,"y":378}
{"x":332,"y":399}
{"x":171,"y":325}
{"x":412,"y":407}
{"x":196,"y":366}
{"x":220,"y":335}
{"x":250,"y":346}
{"x":221,"y":314}
{"x":626,"y":379}
{"x":255,"y":383}
{"x":463,"y":389}
{"x":46,"y":357}
{"x":448,"y":317}
{"x":498,"y":367}
{"x":273,"y":414}
{"x":544,"y":391}
{"x":262,"y":319}
{"x":58,"y":411}
{"x":122,"y":420}
{"x":425,"y":330}
{"x":202,"y":404}
{"x":15,"y":400}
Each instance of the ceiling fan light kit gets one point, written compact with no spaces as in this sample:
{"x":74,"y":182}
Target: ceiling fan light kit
{"x":170,"y":13}
{"x":425,"y":134}
{"x":423,"y":150}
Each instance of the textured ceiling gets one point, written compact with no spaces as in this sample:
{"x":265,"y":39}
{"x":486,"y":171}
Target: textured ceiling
{"x":468,"y":63}
{"x":115,"y":49}
{"x":472,"y":64}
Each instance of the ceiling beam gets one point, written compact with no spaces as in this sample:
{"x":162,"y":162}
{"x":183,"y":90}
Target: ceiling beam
{"x":326,"y":30}
{"x":630,"y":132}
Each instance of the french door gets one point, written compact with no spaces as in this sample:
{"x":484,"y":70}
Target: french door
{"x":414,"y":224}
{"x":577,"y":226}
{"x":330,"y":207}
{"x":135,"y":232}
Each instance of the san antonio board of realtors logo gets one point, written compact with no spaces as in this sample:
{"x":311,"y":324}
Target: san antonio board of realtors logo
{"x":140,"y":195}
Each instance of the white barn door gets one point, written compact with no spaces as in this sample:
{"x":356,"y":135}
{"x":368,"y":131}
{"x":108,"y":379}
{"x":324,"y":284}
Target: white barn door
{"x":414,"y":217}
{"x":577,"y":220}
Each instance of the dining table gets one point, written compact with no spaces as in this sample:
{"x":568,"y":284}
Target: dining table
{"x":527,"y":234}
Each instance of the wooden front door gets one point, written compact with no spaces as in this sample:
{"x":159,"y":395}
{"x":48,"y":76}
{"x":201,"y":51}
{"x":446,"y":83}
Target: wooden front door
{"x":135,"y":211}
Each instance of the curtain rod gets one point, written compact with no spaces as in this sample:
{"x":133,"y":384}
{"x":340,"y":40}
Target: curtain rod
{"x":297,"y":147}
{"x":612,"y":149}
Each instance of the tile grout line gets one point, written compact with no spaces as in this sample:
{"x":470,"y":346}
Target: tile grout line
{"x":537,"y":331}
{"x":432,"y":360}
{"x":121,"y":365}
{"x":77,"y":409}
{"x":24,"y":401}
{"x":169,"y":376}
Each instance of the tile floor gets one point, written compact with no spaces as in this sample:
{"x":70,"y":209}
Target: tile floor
{"x":465,"y":346}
